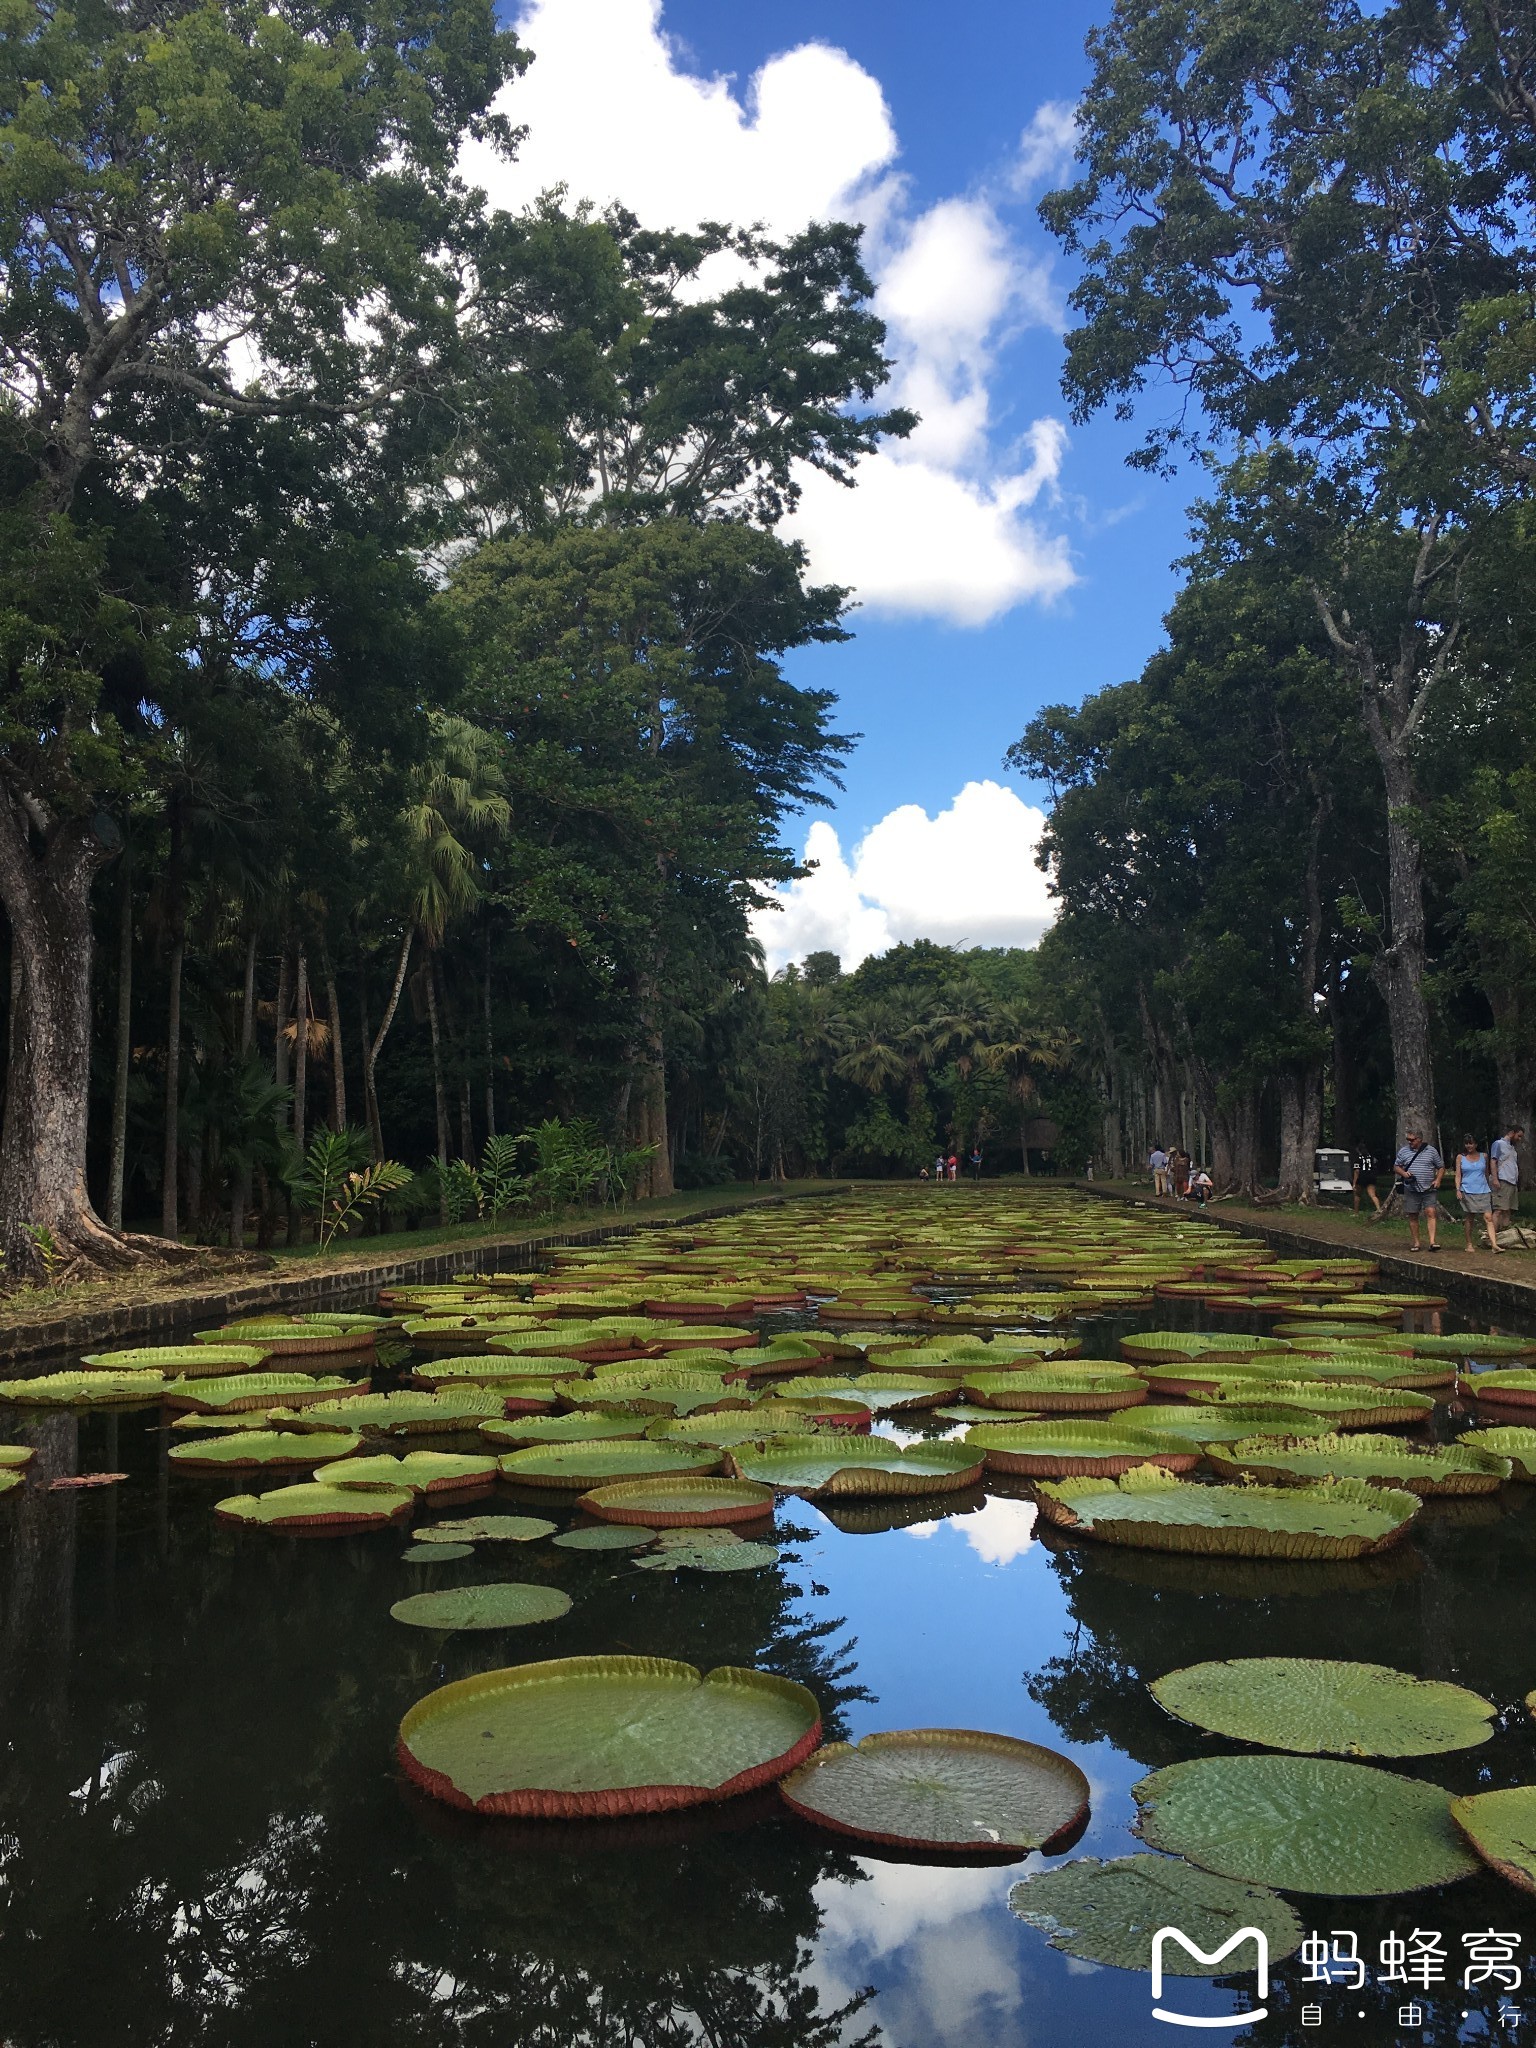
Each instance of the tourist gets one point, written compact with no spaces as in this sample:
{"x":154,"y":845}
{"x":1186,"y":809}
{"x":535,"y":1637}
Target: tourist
{"x":1362,"y":1180}
{"x":1474,"y":1193}
{"x":938,"y":1167}
{"x":1418,"y":1170}
{"x":975,"y":1162}
{"x":1505,"y":1158}
{"x":1201,"y":1185}
{"x":1179,"y":1163}
{"x":953,"y":1164}
{"x":1157,"y":1159}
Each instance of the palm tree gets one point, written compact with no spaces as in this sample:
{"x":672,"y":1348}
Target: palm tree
{"x":1024,"y":1050}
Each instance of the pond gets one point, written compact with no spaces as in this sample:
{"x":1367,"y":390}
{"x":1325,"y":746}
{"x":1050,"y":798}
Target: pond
{"x":205,"y":1837}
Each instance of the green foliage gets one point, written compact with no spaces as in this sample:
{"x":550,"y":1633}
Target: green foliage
{"x":337,"y":1188}
{"x":498,"y":1184}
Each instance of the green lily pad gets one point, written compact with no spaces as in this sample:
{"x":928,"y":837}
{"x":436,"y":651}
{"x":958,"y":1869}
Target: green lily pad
{"x":9,"y":1480}
{"x":83,"y":1389}
{"x":661,"y":1391}
{"x":699,"y":1556}
{"x":586,"y":1426}
{"x":1380,"y":1460}
{"x":601,"y":1736}
{"x":417,"y":1472}
{"x":261,"y":1447}
{"x":1315,"y":1705}
{"x":488,"y":1529}
{"x":679,"y":1503}
{"x":503,"y":1605}
{"x":410,"y":1414}
{"x":436,"y":1553}
{"x":255,"y":1390}
{"x":1516,"y":1444}
{"x":578,"y":1466}
{"x":178,"y":1358}
{"x":1152,"y":1510}
{"x":842,"y":1466}
{"x":1345,"y":1407}
{"x":1305,"y":1824}
{"x":1058,"y":1450}
{"x":1202,"y":1424}
{"x":1501,"y":1826}
{"x":942,"y":1788}
{"x":1109,"y":1912}
{"x":315,"y":1507}
{"x":1515,"y":1389}
{"x":13,"y":1456}
{"x":1077,"y":1391}
{"x":611,"y":1536}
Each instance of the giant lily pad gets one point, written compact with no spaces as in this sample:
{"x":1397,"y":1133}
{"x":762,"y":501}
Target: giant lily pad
{"x":672,"y":1503}
{"x":598,"y":1736}
{"x":188,"y":1359}
{"x":503,"y":1605}
{"x":13,"y":1456}
{"x":584,"y":1426}
{"x":1305,"y":1824}
{"x":704,"y":1552}
{"x":1379,"y":1460}
{"x":605,"y":1536}
{"x":9,"y":1479}
{"x":841,"y":1466}
{"x":883,"y":1393}
{"x":1514,"y":1389}
{"x":1110,"y":1912}
{"x":417,"y":1472}
{"x":436,"y":1553}
{"x":1317,"y":1705}
{"x":1058,"y":1450}
{"x":1151,"y":1510}
{"x":1517,"y":1445}
{"x":659,"y":1390}
{"x":256,"y":1390}
{"x":268,"y":1448}
{"x":578,"y":1466}
{"x":488,"y":1529}
{"x":1345,"y":1407}
{"x":1170,"y":1347}
{"x":316,"y":1507}
{"x":1061,"y":1392}
{"x":1203,"y":1424}
{"x":942,"y":1789}
{"x":292,"y":1340}
{"x":1501,"y":1826}
{"x":408,"y":1414}
{"x":83,"y":1389}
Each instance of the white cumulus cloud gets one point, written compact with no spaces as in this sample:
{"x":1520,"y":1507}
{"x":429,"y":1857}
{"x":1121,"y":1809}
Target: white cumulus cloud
{"x":1048,"y":144}
{"x":941,"y":526}
{"x":964,"y":878}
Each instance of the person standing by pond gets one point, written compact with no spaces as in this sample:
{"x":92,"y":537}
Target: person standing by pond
{"x":975,"y":1162}
{"x":1363,"y":1182}
{"x":1418,"y":1170}
{"x":1157,"y":1160}
{"x":1505,"y":1158}
{"x":1474,"y":1193}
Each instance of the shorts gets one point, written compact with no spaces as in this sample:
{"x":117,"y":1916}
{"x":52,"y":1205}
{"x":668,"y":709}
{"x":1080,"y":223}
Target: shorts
{"x":1415,"y":1199}
{"x":1506,"y":1196}
{"x":1476,"y":1205}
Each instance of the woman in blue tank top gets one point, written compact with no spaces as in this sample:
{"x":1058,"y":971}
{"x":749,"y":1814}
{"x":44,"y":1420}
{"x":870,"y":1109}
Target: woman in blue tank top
{"x":1473,"y":1190}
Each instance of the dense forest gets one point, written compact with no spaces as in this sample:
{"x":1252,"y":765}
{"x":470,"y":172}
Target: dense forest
{"x":397,"y":734}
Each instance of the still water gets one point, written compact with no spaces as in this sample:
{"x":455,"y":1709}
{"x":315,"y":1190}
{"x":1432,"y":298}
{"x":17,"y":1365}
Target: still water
{"x":204,"y":1837}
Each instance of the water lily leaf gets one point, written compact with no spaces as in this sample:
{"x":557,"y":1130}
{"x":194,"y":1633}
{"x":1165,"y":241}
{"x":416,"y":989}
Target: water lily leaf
{"x":262,"y":1447}
{"x":1344,"y":1407}
{"x":1152,"y":1510}
{"x":1064,"y":1391}
{"x":502,"y":1605}
{"x":256,"y":1390}
{"x":682,"y":1503}
{"x":417,"y":1471}
{"x":821,"y":1465}
{"x":599,"y":1736}
{"x":1206,"y":1347}
{"x":1109,"y":1912}
{"x":579,"y":1466}
{"x":1515,"y":1389}
{"x":1501,"y":1826}
{"x":1202,"y":1424}
{"x":316,"y":1507}
{"x":408,"y":1414}
{"x":1305,"y":1824}
{"x":1314,"y":1705}
{"x":699,"y":1556}
{"x":436,"y":1553}
{"x":9,"y":1480}
{"x":610,"y":1536}
{"x":585,"y":1426}
{"x":488,"y":1529}
{"x":291,"y":1339}
{"x":83,"y":1389}
{"x":661,"y":1390}
{"x":942,"y":1788}
{"x":13,"y":1456}
{"x":1056,"y":1450}
{"x":1379,"y":1460}
{"x":1515,"y":1444}
{"x":188,"y":1359}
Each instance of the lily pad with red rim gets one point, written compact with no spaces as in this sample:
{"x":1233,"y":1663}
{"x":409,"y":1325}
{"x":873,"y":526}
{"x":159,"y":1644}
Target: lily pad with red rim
{"x":329,"y":1508}
{"x":679,"y":1503}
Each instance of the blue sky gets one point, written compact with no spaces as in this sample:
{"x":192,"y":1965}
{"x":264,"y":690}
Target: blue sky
{"x":1006,"y":558}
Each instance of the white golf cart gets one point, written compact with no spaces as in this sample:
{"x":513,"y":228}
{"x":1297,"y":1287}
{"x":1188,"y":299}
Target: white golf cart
{"x":1332,"y":1171}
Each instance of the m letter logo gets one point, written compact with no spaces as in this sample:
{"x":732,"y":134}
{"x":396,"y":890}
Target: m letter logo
{"x":1184,"y":2019}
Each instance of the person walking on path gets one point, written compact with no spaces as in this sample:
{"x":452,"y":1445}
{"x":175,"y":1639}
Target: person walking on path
{"x":1363,"y":1182}
{"x":976,"y":1162}
{"x":1418,"y":1170}
{"x":1157,"y":1159}
{"x":1474,"y":1193}
{"x":1504,"y":1156}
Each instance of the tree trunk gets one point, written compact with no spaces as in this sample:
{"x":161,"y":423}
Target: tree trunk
{"x":47,"y":866}
{"x":123,"y":1048}
{"x":171,"y":1156}
{"x":1295,"y":1179}
{"x":371,"y":1050}
{"x":280,"y":1052}
{"x":338,"y":1061}
{"x":466,"y":1124}
{"x":300,"y":1077}
{"x":240,"y":1193}
{"x":440,"y":1094}
{"x":490,"y":1049}
{"x":648,"y":1098}
{"x":1024,"y":1147}
{"x":370,"y":1100}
